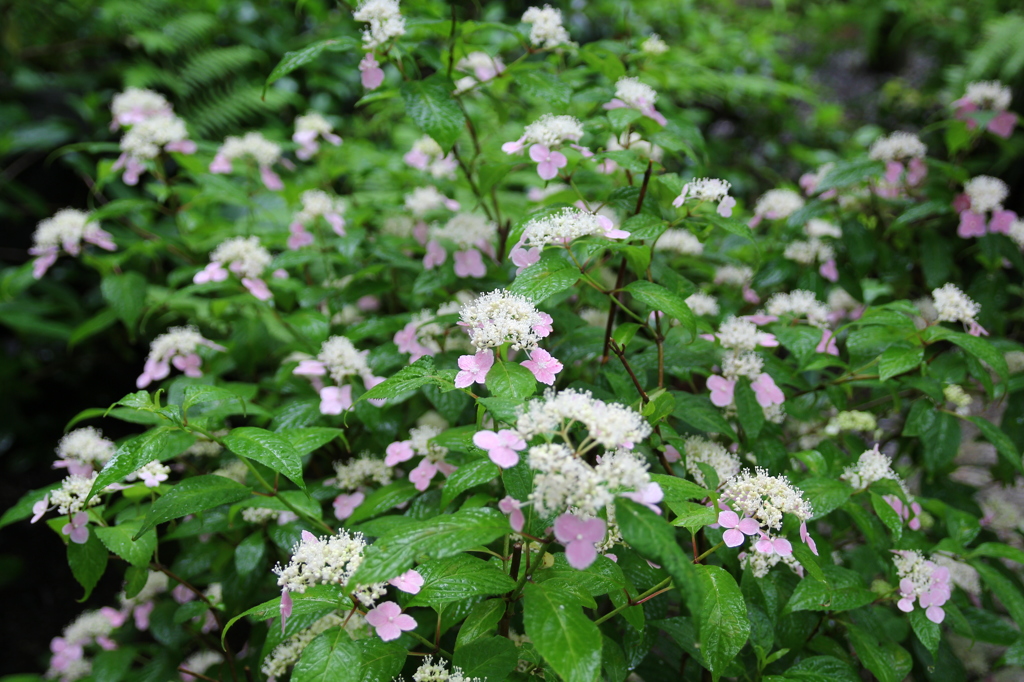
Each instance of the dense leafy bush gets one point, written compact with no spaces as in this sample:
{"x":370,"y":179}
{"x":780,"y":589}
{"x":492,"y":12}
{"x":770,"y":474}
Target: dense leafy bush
{"x":514,"y":381}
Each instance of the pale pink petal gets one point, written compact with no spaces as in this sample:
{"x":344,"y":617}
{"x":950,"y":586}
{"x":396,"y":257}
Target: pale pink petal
{"x":580,"y":554}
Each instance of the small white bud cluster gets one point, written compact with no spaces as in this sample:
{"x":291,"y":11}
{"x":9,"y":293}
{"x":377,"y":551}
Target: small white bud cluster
{"x":550,"y":130}
{"x":385,"y":19}
{"x":260,"y":515}
{"x":313,"y":122}
{"x":898,"y":146}
{"x":317,"y":203}
{"x":635,"y":93}
{"x":201,"y":661}
{"x":502,"y":317}
{"x":953,"y":305}
{"x":798,"y":303}
{"x":1016,"y":232}
{"x":352,"y":474}
{"x":733,"y":275}
{"x":630,"y":139}
{"x":702,"y":304}
{"x":234,"y":470}
{"x":610,"y":424}
{"x":244,"y":256}
{"x":327,"y":560}
{"x":437,"y":672}
{"x":86,"y":446}
{"x":760,"y":563}
{"x":423,"y":200}
{"x":69,"y":498}
{"x":135,"y":105}
{"x":871,"y":467}
{"x":342,"y":359}
{"x":955,"y":394}
{"x":986,"y":193}
{"x":766,"y":498}
{"x":145,"y":140}
{"x":989,"y":95}
{"x":680,"y":241}
{"x":736,"y":364}
{"x":816,"y":228}
{"x":809,"y":252}
{"x":156,"y":584}
{"x":466,"y":230}
{"x":177,"y":342}
{"x":564,"y":480}
{"x":738,"y":334}
{"x":419,"y":441}
{"x":152,"y":473}
{"x":654,"y":45}
{"x":851,"y":420}
{"x":546,"y":28}
{"x":264,"y":152}
{"x":705,"y":189}
{"x":67,"y":229}
{"x":776,"y":204}
{"x":561,"y":227}
{"x":700,"y":450}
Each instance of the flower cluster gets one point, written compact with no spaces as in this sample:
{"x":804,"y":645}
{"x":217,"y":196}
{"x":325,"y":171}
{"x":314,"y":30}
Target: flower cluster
{"x":429,"y":671}
{"x":708,"y":189}
{"x":762,"y":499}
{"x":680,"y":241}
{"x":66,"y":230}
{"x":178,"y":346}
{"x":385,"y":22}
{"x":427,"y":155}
{"x":546,"y":28}
{"x":308,"y":128}
{"x":560,"y":228}
{"x":923,"y":581}
{"x":316,"y":204}
{"x":630,"y":93}
{"x":254,"y":146}
{"x":798,"y":303}
{"x":988,"y":96}
{"x":353,"y":473}
{"x":610,"y":425}
{"x":700,"y":450}
{"x":152,"y":128}
{"x":851,"y":420}
{"x":339,"y":359}
{"x":902,"y":153}
{"x":246,"y":257}
{"x":955,"y":394}
{"x":953,"y":305}
{"x":420,"y":443}
{"x":483,"y":66}
{"x":776,"y":204}
{"x":542,"y":135}
{"x":983,"y":195}
{"x":472,"y":234}
{"x":83,"y":451}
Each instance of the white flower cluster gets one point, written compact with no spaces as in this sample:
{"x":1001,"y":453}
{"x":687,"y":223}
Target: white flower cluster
{"x":700,"y":450}
{"x":550,"y":130}
{"x":327,"y":560}
{"x":244,"y":256}
{"x":175,"y":342}
{"x":69,"y":498}
{"x":736,"y":364}
{"x":610,"y":424}
{"x":317,"y":203}
{"x":630,"y":139}
{"x":313,"y":122}
{"x":423,"y":200}
{"x":86,"y":446}
{"x":798,"y":303}
{"x":565,"y":480}
{"x":654,"y":45}
{"x":88,"y":627}
{"x":953,"y":305}
{"x":840,"y":300}
{"x":986,"y":193}
{"x":467,"y":229}
{"x":152,"y":473}
{"x":809,"y":252}
{"x":1016,"y":232}
{"x":350,"y":475}
{"x":871,"y":467}
{"x":990,"y":95}
{"x":680,"y":241}
{"x":437,"y":672}
{"x":235,"y":470}
{"x":253,"y":144}
{"x":503,"y":317}
{"x":561,"y":227}
{"x":546,"y":28}
{"x":288,"y":652}
{"x":706,"y":189}
{"x":636,"y":94}
{"x":818,"y":228}
{"x":156,"y":584}
{"x":897,"y":147}
{"x":733,"y":275}
{"x":760,"y":563}
{"x":851,"y":420}
{"x":419,"y":441}
{"x":145,"y":139}
{"x":765,"y":498}
{"x":739,"y":334}
{"x":261,"y":515}
{"x":135,"y":105}
{"x":912,"y":566}
{"x":963,"y":575}
{"x":426,"y":155}
{"x":385,"y":19}
{"x":955,"y":394}
{"x":67,"y":228}
{"x":342,"y":359}
{"x":702,"y":304}
{"x":201,"y":661}
{"x":776,"y":204}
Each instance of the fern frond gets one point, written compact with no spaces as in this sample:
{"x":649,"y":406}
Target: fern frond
{"x":218,"y":63}
{"x":1001,"y":53}
{"x":223,"y":110}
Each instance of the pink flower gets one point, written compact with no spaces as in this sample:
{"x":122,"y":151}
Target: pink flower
{"x":436,"y":255}
{"x":399,"y":451}
{"x":417,"y":158}
{"x":750,"y":296}
{"x":501,"y":447}
{"x":189,"y":364}
{"x":806,"y":538}
{"x":766,"y":392}
{"x":1003,"y":124}
{"x":1001,"y":221}
{"x":512,"y":507}
{"x":469,"y":263}
{"x":579,"y":538}
{"x":310,"y":368}
{"x":971,"y":225}
{"x":345,"y":505}
{"x":214,"y":272}
{"x":152,"y":371}
{"x":543,"y":366}
{"x":610,"y":231}
{"x":46,"y":259}
{"x":737,"y":528}
{"x":548,"y":162}
{"x":271,"y":180}
{"x":140,"y":614}
{"x":114,"y":617}
{"x":905,"y":511}
{"x":671,"y":454}
{"x":649,"y":496}
{"x":829,"y":271}
{"x":524,"y":258}
{"x":410,"y":581}
{"x":474,"y":368}
{"x":389,"y":621}
{"x":370,"y":72}
{"x":721,"y":390}
{"x":41,"y":507}
{"x":827,"y":343}
{"x":545,"y":327}
{"x":975,"y":329}
{"x":513,"y":147}
{"x":286,"y":607}
{"x":767,"y":545}
{"x":151,"y":479}
{"x":422,"y":474}
{"x":220,"y":164}
{"x":77,"y":529}
{"x":335,"y":400}
{"x":299,"y":237}
{"x":258,"y":288}
{"x":917,"y":170}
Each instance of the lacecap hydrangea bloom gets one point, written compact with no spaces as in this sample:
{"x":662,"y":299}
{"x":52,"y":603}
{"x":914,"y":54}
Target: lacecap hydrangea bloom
{"x":135,"y":105}
{"x":560,"y":228}
{"x":542,"y":136}
{"x":308,"y":128}
{"x":953,"y":305}
{"x":988,"y":96}
{"x":145,"y":140}
{"x":426,"y":155}
{"x":254,"y":146}
{"x":316,"y":204}
{"x":902,"y":153}
{"x":713,"y":190}
{"x":246,"y":257}
{"x":631,"y":93}
{"x":922,"y":581}
{"x":983,"y":196}
{"x":546,"y":28}
{"x":472,"y":235}
{"x":67,"y":229}
{"x":83,"y":451}
{"x":700,"y":450}
{"x":776,"y":204}
{"x":339,"y":359}
{"x":762,"y":499}
{"x":178,"y":346}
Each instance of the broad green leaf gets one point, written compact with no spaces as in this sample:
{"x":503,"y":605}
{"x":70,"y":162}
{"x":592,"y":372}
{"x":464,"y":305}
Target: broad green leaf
{"x":566,"y":638}
{"x":481,"y":621}
{"x":692,"y":515}
{"x":120,"y":540}
{"x":847,"y":173}
{"x":613,"y":661}
{"x":487,"y":658}
{"x":750,"y":414}
{"x":429,"y":102}
{"x":468,"y":476}
{"x":458,"y":577}
{"x":510,"y":380}
{"x":250,"y":553}
{"x":657,"y":297}
{"x":315,"y":601}
{"x":888,"y":515}
{"x":843,"y":590}
{"x":897,"y":361}
{"x":88,"y":561}
{"x":679,"y":489}
{"x":380,"y":660}
{"x":419,"y":373}
{"x":194,"y":495}
{"x":382,"y":500}
{"x":132,"y":455}
{"x":997,"y":549}
{"x":698,"y":412}
{"x":1003,"y":588}
{"x":331,"y":657}
{"x":311,"y":438}
{"x":1004,"y":446}
{"x":268,"y":448}
{"x":927,"y":632}
{"x":548,"y":276}
{"x":437,"y":538}
{"x":200,"y":393}
{"x":297,"y":58}
{"x":887,"y":660}
{"x":126,"y":294}
{"x":109,"y":666}
{"x":22,"y":509}
{"x":975,"y":345}
{"x":724,"y":626}
{"x":822,"y":669}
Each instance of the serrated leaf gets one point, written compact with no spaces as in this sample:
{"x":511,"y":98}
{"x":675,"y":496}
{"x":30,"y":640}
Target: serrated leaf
{"x":724,"y":626}
{"x":311,"y":438}
{"x":126,"y":294}
{"x":200,"y":393}
{"x":419,"y":373}
{"x":510,"y":380}
{"x":298,"y":58}
{"x":896,"y":361}
{"x":88,"y":562}
{"x":429,"y":102}
{"x":843,"y":590}
{"x":194,"y":495}
{"x":132,"y":455}
{"x":545,"y":87}
{"x":468,"y":476}
{"x":825,"y":495}
{"x":382,"y":500}
{"x":928,"y":633}
{"x":548,"y":276}
{"x":564,"y":636}
{"x":331,"y":657}
{"x":487,"y":658}
{"x":267,"y":448}
{"x":657,"y":297}
{"x":887,"y":660}
{"x":120,"y":540}
{"x":482,"y":620}
{"x":459,"y":577}
{"x":679,"y":489}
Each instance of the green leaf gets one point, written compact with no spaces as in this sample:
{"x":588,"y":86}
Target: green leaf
{"x":613,"y":661}
{"x":431,"y":105}
{"x":468,"y":476}
{"x":311,"y":438}
{"x":481,"y":621}
{"x":564,"y":636}
{"x":487,"y":658}
{"x":748,"y":409}
{"x":724,"y":626}
{"x":657,"y":297}
{"x":459,"y":577}
{"x":888,"y":515}
{"x":419,"y":373}
{"x":194,"y":495}
{"x":88,"y":561}
{"x":380,"y":660}
{"x":999,"y":550}
{"x":548,"y":276}
{"x":733,"y":226}
{"x":1003,"y":588}
{"x":843,"y":590}
{"x":825,"y":495}
{"x":975,"y":345}
{"x":109,"y":666}
{"x":927,"y":632}
{"x":267,"y":448}
{"x":692,"y":515}
{"x":120,"y":540}
{"x":316,"y":601}
{"x":293,"y":60}
{"x":331,"y":657}
{"x":887,"y":660}
{"x":546,"y":88}
{"x":847,"y":173}
{"x":897,"y":361}
{"x":22,"y":509}
{"x":382,"y":500}
{"x":200,"y":393}
{"x":437,"y":538}
{"x":698,"y":412}
{"x":126,"y":295}
{"x":250,"y":554}
{"x":1004,"y":446}
{"x":679,"y":489}
{"x":132,"y":455}
{"x":510,"y":380}
{"x":822,"y":669}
